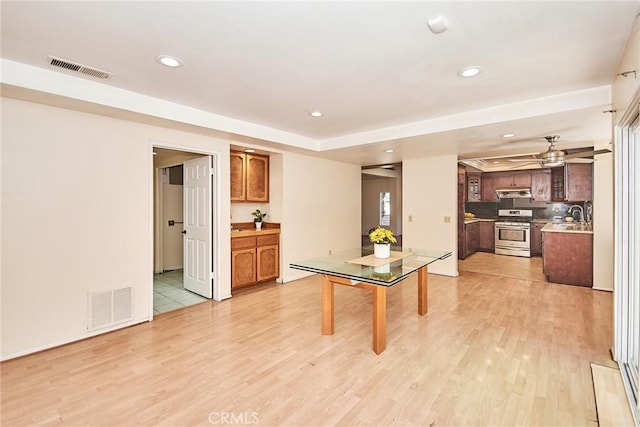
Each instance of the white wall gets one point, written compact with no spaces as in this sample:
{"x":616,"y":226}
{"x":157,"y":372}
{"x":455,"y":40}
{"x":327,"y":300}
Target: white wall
{"x":624,"y":88}
{"x":321,"y":209}
{"x":603,"y":222}
{"x":430,"y":193}
{"x":172,"y":237}
{"x":77,"y":217}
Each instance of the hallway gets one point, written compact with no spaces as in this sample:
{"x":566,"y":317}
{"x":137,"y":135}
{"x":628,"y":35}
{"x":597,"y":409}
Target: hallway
{"x":169,"y":294}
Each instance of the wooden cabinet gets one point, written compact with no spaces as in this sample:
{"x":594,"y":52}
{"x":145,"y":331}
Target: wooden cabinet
{"x":536,"y":238}
{"x":494,"y":180}
{"x":515,"y":179}
{"x":470,"y":239}
{"x":557,"y":184}
{"x":254,"y":259}
{"x":568,"y":258}
{"x":249,"y":177}
{"x":486,"y":236}
{"x":237,"y":164}
{"x":489,"y":185}
{"x":541,"y":186}
{"x":474,"y":188}
{"x":579,"y":182}
{"x":572,"y":183}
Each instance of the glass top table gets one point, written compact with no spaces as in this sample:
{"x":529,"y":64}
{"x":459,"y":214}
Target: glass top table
{"x":360,"y":269}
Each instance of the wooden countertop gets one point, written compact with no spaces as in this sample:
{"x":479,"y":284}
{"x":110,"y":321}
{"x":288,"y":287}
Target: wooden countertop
{"x":248,"y":229}
{"x":250,"y":233}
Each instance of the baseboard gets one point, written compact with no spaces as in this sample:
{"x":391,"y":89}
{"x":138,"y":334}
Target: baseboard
{"x":49,"y":346}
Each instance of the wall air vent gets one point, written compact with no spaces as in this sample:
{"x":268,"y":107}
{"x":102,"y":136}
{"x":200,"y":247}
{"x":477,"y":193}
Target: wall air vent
{"x":73,"y":66}
{"x":109,"y":308}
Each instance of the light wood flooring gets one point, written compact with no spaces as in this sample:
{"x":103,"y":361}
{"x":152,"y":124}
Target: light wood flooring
{"x":608,"y":386}
{"x":503,"y":265}
{"x":492,"y":351}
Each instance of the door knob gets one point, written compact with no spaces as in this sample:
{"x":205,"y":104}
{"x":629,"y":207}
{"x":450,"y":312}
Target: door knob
{"x":184,"y":231}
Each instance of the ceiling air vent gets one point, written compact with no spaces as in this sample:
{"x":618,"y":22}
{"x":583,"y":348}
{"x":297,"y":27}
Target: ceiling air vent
{"x":73,"y":66}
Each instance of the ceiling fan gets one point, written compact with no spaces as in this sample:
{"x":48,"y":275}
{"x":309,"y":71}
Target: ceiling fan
{"x":553,"y":157}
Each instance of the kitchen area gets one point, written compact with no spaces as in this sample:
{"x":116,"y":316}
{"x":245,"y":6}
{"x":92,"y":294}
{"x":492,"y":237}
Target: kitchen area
{"x":542,"y":215}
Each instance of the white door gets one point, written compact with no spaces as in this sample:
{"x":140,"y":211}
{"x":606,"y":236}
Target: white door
{"x":197,"y":226}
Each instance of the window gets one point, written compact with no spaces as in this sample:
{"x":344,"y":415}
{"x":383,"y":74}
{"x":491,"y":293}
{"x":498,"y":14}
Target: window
{"x":627,"y":254}
{"x":385,"y":209}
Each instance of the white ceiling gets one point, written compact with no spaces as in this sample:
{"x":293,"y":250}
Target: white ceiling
{"x":381,"y":78}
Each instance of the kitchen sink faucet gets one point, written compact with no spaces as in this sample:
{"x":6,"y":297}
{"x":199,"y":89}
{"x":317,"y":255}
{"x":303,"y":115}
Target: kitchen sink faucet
{"x":581,"y":211}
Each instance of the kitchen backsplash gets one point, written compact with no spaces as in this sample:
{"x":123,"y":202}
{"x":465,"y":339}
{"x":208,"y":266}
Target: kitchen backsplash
{"x":541,"y":210}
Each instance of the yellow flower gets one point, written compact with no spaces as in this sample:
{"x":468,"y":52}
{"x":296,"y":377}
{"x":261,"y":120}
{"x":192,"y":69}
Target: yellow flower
{"x":382,"y":235}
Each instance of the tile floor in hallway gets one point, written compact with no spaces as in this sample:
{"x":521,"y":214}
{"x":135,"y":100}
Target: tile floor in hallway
{"x":169,"y":294}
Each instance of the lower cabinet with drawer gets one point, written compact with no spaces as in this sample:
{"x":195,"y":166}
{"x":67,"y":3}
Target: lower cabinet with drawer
{"x":254,"y":259}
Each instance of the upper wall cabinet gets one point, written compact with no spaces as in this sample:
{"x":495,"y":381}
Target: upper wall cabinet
{"x":541,"y":186}
{"x":473,"y":187}
{"x":249,"y":177}
{"x":578,"y":181}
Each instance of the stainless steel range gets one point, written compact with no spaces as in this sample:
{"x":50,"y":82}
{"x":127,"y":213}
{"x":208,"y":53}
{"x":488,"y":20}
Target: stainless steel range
{"x":513,"y":232}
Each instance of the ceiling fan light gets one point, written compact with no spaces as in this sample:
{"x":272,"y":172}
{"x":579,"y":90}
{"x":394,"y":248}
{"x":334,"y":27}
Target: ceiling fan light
{"x":553,"y":158}
{"x":552,"y":164}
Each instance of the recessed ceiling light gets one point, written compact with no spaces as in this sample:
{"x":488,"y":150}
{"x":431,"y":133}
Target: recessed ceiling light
{"x":315,"y":114}
{"x":508,"y":135}
{"x":469,"y":71}
{"x":249,"y":150}
{"x":169,"y":61}
{"x":389,"y":150}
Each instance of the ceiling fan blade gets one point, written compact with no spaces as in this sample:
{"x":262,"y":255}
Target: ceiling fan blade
{"x":523,"y":160}
{"x":579,"y":160}
{"x":525,"y":164}
{"x":586,"y":153}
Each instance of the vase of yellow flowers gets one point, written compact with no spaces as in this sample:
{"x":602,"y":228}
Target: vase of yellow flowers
{"x":382,"y":239}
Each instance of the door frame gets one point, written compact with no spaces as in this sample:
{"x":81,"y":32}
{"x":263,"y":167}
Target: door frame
{"x":215,"y":211}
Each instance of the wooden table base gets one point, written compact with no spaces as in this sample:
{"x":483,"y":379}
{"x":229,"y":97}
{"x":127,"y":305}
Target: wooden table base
{"x":379,"y":305}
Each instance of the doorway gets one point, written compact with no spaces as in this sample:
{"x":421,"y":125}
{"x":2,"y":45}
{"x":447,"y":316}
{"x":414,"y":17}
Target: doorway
{"x":382,"y":199}
{"x":183,"y":223}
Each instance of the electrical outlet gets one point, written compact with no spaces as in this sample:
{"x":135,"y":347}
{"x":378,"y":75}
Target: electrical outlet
{"x":410,"y":218}
{"x":447,"y":220}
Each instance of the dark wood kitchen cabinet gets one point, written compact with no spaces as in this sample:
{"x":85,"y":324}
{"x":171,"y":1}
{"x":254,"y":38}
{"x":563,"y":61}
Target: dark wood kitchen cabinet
{"x":471,"y":235}
{"x":489,"y":185}
{"x":568,"y":258}
{"x":541,"y":186}
{"x":486,"y":236}
{"x":536,"y":238}
{"x":474,"y":188}
{"x":557,"y":184}
{"x":494,"y":180}
{"x":579,"y":182}
{"x":249,"y":177}
{"x":572,"y":183}
{"x":513,"y":179}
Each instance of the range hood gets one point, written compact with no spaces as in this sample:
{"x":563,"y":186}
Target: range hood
{"x":513,"y":193}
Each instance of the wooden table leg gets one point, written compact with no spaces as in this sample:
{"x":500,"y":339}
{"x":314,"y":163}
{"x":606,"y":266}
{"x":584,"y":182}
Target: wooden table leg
{"x":423,"y":299}
{"x":379,"y":319}
{"x":327,"y":306}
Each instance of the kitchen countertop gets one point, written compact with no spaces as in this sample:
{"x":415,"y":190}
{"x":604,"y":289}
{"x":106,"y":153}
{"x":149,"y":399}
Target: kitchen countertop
{"x":247,"y":232}
{"x":568,"y":227}
{"x":472,"y":220}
